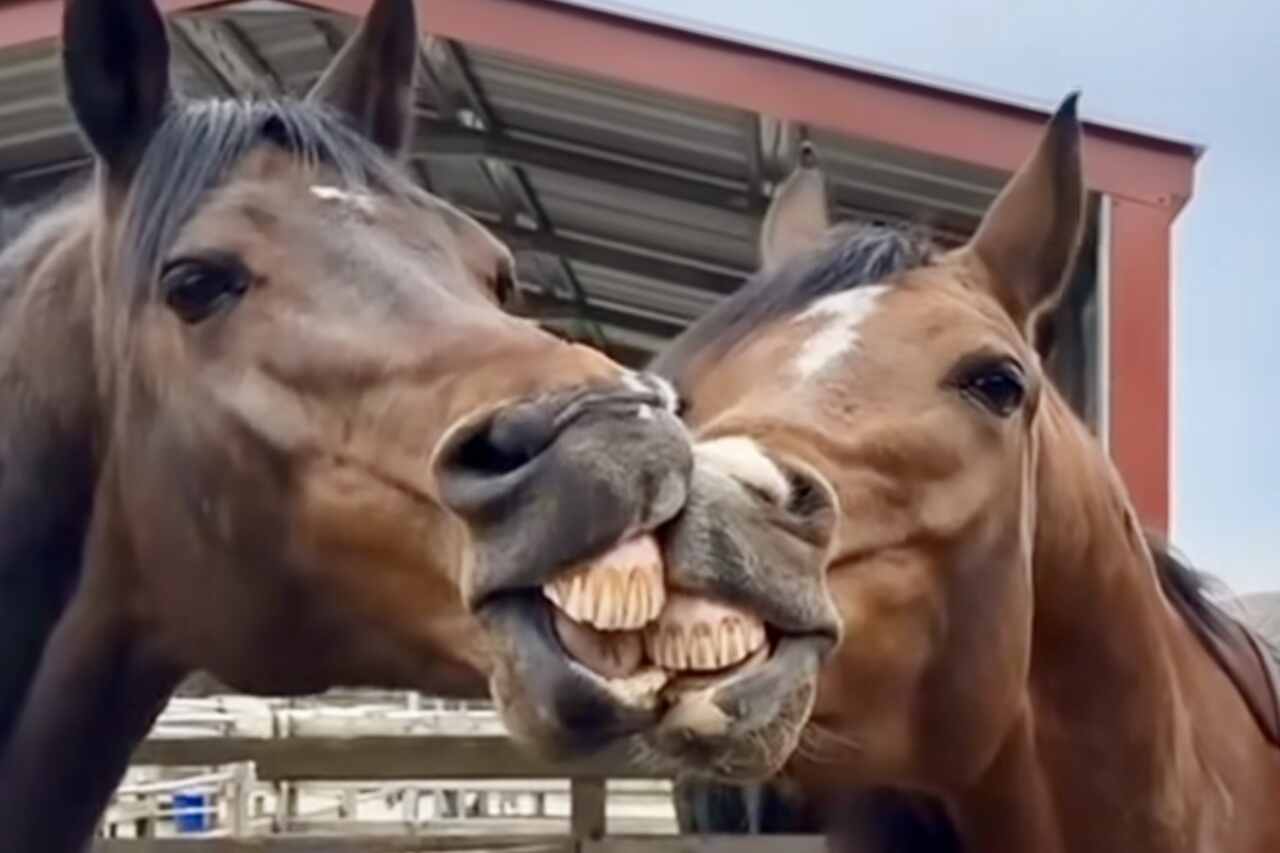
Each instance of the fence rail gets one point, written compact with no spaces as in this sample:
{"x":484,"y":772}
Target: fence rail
{"x":384,"y":758}
{"x":485,"y":763}
{"x":504,"y":844}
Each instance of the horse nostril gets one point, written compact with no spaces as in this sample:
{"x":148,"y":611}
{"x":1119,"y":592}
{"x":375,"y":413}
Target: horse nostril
{"x":519,"y":434}
{"x":508,"y":442}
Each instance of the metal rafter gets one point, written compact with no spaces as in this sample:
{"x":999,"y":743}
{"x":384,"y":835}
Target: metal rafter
{"x":222,"y":53}
{"x":442,"y":139}
{"x":622,"y":258}
{"x":509,"y":183}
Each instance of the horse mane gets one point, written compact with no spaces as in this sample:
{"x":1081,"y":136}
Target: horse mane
{"x":852,"y":255}
{"x":1193,"y":590}
{"x":1249,"y":659}
{"x":1188,"y":588}
{"x":199,"y":143}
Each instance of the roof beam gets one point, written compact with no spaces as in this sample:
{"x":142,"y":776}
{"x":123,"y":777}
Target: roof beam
{"x":509,"y":183}
{"x":620,"y":258}
{"x":542,"y":307}
{"x":439,"y":139}
{"x":226,"y":55}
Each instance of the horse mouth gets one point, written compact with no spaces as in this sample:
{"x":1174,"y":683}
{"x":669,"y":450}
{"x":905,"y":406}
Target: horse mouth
{"x":706,"y":668}
{"x":617,"y":620}
{"x":609,"y":649}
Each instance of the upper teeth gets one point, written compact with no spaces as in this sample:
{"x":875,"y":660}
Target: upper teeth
{"x":700,"y":634}
{"x":620,"y":591}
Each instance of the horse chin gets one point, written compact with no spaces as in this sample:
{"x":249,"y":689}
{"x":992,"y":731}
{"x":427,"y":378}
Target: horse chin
{"x":744,"y":724}
{"x":549,"y":700}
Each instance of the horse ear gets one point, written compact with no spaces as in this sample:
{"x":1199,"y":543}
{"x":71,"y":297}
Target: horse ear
{"x":115,"y":61}
{"x":797,"y":217}
{"x":1030,"y":236}
{"x":371,"y":79}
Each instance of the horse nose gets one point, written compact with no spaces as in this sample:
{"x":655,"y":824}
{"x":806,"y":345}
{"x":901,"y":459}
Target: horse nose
{"x":499,"y":448}
{"x":545,"y":483}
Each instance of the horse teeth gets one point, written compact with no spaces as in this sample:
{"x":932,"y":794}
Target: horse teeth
{"x":619,"y":591}
{"x":693,"y":633}
{"x":704,"y":651}
{"x":612,"y":654}
{"x":730,"y":647}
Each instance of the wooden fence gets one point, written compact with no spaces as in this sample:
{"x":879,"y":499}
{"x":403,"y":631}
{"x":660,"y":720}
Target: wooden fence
{"x":448,"y":757}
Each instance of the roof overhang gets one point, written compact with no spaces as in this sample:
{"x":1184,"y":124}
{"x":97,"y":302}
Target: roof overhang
{"x":861,"y":103}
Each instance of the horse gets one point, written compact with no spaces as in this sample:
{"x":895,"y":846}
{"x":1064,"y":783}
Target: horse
{"x":981,"y":647}
{"x":265,"y":417}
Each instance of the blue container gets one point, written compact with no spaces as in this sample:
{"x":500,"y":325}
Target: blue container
{"x":189,"y":813}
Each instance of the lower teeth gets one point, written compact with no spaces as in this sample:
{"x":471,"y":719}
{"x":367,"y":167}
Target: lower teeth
{"x":640,"y":689}
{"x":612,"y":655}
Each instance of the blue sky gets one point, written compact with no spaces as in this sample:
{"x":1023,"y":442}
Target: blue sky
{"x":1207,"y":70}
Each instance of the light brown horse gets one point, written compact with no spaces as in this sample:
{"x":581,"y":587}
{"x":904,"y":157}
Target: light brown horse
{"x":1014,"y":653}
{"x":263,"y":416}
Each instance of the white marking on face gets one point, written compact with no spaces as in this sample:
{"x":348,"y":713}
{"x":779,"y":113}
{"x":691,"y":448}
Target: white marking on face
{"x":651,"y":384}
{"x":843,"y":313}
{"x":740,"y":458}
{"x":667,"y":391}
{"x":360,"y":201}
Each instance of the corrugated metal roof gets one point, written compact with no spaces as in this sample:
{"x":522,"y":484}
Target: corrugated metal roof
{"x":645,"y":204}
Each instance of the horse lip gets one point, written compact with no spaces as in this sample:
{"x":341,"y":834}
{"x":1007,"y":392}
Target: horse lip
{"x":527,"y":617}
{"x":751,"y":698}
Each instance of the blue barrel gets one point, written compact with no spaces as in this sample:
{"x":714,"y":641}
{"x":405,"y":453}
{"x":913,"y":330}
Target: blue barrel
{"x":189,"y":813}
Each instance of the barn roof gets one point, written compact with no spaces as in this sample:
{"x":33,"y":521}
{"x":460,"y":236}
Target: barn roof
{"x":632,"y":208}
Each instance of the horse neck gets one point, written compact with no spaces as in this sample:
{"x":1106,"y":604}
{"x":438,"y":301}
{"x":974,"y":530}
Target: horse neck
{"x":47,"y":436}
{"x":1122,"y":743}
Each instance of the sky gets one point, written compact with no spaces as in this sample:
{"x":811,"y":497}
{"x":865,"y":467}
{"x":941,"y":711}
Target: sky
{"x":1208,"y":71}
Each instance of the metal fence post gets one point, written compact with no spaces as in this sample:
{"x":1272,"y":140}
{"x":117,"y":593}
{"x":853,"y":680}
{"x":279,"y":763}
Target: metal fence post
{"x":587,"y":798}
{"x":241,"y":790}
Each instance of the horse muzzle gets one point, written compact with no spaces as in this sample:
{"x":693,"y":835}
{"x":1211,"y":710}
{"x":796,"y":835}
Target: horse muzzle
{"x":560,"y":497}
{"x":749,"y":549}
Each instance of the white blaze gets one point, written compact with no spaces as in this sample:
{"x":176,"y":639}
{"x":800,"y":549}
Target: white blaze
{"x":842,"y":314}
{"x":360,"y":201}
{"x":653,"y":384}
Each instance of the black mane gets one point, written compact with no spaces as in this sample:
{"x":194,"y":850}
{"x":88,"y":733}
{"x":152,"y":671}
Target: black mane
{"x":1192,"y":591}
{"x":1189,"y":588}
{"x":197,"y":147}
{"x":852,"y":255}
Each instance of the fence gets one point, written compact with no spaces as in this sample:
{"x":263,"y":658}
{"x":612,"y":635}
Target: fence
{"x":290,"y":750}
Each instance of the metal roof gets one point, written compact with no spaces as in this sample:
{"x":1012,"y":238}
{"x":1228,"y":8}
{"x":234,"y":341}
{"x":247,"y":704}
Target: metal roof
{"x":631,"y":210}
{"x":701,"y":26}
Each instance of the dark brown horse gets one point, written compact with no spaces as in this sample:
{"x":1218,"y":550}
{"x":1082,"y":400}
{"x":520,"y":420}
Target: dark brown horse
{"x":962,"y":614}
{"x":263,"y":416}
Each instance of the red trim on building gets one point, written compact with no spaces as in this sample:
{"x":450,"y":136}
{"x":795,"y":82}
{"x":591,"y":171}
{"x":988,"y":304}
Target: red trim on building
{"x":1141,"y":315}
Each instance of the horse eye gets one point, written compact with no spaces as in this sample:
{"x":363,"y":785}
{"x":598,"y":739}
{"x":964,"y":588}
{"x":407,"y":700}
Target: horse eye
{"x":998,"y":387}
{"x":195,"y":289}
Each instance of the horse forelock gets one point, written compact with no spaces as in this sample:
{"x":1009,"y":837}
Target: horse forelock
{"x":852,"y":255}
{"x":196,"y":150}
